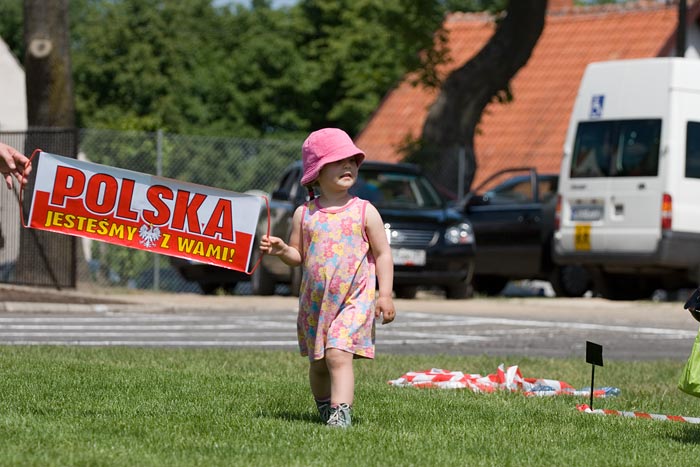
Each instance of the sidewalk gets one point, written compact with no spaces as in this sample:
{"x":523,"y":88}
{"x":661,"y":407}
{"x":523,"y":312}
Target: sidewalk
{"x":24,"y":299}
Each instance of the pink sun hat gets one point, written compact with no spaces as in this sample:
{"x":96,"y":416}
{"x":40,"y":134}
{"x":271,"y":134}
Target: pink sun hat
{"x":323,"y":147}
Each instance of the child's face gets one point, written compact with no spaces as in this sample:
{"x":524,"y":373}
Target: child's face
{"x":340,"y":175}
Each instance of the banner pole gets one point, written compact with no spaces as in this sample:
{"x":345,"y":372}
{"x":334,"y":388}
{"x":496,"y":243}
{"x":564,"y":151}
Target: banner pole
{"x":159,"y":172}
{"x":592,"y":384}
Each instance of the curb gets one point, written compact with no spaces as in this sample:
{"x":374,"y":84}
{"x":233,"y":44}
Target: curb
{"x":47,"y":307}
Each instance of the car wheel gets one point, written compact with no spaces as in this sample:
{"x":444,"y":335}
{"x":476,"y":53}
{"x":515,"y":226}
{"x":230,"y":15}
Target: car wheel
{"x":570,"y":281}
{"x":489,"y":285}
{"x":458,"y":291}
{"x":261,"y":281}
{"x":405,"y":291}
{"x":295,"y":281}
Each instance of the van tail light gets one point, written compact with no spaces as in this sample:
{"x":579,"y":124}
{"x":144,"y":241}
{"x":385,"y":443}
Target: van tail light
{"x":666,"y":212}
{"x":557,"y":214}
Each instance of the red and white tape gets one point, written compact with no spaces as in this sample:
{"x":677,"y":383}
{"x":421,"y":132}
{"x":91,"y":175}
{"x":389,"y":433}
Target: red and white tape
{"x":504,"y":379}
{"x":674,"y":418}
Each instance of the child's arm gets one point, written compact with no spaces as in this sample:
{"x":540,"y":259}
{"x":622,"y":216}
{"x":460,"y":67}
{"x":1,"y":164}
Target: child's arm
{"x":289,"y":253}
{"x":384,"y":262}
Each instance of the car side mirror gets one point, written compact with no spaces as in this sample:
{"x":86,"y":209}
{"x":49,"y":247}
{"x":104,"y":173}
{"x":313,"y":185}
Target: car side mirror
{"x":473,"y":199}
{"x":280,"y":195}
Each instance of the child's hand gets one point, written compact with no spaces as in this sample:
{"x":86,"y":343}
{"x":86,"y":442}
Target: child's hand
{"x":385,"y":307}
{"x":272,"y":245}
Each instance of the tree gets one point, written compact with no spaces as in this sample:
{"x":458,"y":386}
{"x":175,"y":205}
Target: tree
{"x":46,"y":257}
{"x":144,"y":65}
{"x":358,"y":49}
{"x":453,"y":117}
{"x":190,"y":66}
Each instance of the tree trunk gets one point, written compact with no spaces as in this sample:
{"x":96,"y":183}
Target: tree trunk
{"x":47,"y":258}
{"x":451,"y":123}
{"x":47,"y":64}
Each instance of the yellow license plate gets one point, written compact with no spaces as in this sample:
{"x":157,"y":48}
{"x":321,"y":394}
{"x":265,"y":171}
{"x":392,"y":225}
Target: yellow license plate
{"x":582,"y":237}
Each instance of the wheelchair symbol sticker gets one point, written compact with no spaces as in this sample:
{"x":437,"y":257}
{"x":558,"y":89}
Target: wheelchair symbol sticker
{"x":597,"y":106}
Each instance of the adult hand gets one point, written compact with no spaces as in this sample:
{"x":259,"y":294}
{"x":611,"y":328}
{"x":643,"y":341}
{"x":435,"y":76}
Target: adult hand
{"x":13,"y":164}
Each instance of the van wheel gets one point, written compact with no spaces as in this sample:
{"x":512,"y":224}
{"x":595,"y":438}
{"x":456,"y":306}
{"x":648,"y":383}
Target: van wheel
{"x":405,"y":291}
{"x":261,"y":281}
{"x":623,"y":286}
{"x":570,"y":281}
{"x":489,"y":285}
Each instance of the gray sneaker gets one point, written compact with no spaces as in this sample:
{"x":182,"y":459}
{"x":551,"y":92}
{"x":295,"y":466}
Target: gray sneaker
{"x":324,"y":410}
{"x":339,"y":416}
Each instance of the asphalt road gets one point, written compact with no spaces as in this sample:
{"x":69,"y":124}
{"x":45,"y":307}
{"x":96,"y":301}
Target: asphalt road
{"x":534,"y":326}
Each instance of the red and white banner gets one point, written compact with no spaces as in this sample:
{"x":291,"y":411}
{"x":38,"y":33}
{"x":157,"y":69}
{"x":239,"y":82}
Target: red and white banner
{"x":143,"y":211}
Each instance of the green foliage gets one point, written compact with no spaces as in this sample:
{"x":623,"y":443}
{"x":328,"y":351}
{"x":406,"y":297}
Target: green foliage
{"x":476,"y":5}
{"x":11,"y":28}
{"x":148,"y":407}
{"x":362,"y":48}
{"x":188,"y":66}
{"x":149,"y":68}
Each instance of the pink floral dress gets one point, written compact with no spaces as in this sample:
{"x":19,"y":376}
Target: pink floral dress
{"x":336,"y":303}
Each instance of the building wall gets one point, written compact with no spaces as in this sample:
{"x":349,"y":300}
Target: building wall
{"x":13,"y":111}
{"x":13,"y":117}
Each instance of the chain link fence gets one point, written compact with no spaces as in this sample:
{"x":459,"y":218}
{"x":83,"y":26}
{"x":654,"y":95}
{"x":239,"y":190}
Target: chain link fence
{"x":229,"y":163}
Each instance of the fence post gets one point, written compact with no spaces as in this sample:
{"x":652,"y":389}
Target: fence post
{"x":159,"y":172}
{"x":461,"y":171}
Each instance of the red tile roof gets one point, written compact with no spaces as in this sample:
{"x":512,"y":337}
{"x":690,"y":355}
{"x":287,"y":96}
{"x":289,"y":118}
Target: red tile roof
{"x":531,"y":129}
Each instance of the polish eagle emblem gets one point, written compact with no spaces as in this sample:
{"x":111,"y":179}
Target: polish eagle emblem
{"x":149,"y":235}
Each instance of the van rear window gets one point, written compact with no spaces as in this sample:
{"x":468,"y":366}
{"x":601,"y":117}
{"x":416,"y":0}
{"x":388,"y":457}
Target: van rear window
{"x":616,"y":148}
{"x":692,"y":150}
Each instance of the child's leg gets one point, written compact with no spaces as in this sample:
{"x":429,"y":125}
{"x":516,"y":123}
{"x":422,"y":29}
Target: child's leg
{"x":320,"y":380}
{"x":342,"y":376}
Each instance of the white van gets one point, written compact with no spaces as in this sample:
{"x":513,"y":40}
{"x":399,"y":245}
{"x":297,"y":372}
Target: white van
{"x":629,"y":189}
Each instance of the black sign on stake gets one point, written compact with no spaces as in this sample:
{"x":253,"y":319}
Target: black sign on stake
{"x":594,"y":356}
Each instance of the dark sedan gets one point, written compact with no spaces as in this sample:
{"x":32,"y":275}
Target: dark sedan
{"x":432,"y":244}
{"x":512,"y":213}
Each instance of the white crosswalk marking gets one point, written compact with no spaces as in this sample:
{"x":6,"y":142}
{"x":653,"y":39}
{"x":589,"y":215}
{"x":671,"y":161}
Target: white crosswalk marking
{"x":413,"y":332}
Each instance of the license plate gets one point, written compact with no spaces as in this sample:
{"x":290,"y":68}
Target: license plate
{"x":406,"y":257}
{"x":582,"y":237}
{"x":587,"y":213}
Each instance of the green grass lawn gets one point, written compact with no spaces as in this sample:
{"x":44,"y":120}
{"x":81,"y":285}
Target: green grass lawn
{"x":139,"y":407}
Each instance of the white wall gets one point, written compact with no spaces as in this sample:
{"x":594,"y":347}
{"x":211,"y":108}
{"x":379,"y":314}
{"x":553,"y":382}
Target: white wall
{"x":13,"y":111}
{"x":13,"y":117}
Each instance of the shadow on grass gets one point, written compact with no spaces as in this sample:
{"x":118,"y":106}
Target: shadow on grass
{"x":291,"y":415}
{"x":300,"y":416}
{"x":690,"y":435}
{"x":295,"y":416}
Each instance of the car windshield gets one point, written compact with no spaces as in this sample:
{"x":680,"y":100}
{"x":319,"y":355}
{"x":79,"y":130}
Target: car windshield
{"x":396,"y":190}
